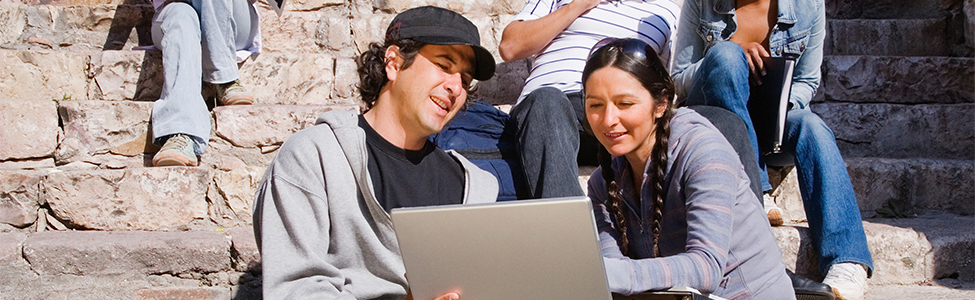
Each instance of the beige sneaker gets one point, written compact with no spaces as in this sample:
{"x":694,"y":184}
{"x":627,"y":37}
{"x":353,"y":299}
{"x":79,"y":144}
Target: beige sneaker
{"x":176,"y":152}
{"x":232,"y":93}
{"x":848,"y":280}
{"x":776,"y":216}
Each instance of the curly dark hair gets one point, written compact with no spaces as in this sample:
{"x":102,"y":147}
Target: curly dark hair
{"x":372,"y":66}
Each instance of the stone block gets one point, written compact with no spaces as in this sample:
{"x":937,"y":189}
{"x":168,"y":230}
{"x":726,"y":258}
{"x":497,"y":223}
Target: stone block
{"x":246,"y":249}
{"x":334,"y":32}
{"x":887,"y":9}
{"x":785,"y":190}
{"x":306,"y":5}
{"x":291,"y":78}
{"x":13,"y":21}
{"x":43,"y":75}
{"x":180,"y":293}
{"x":11,"y":247}
{"x":901,"y":131}
{"x":113,"y":134}
{"x":130,"y":199}
{"x":292,"y":32}
{"x":890,"y":79}
{"x":19,"y":197}
{"x":126,"y":75}
{"x":346,"y":80}
{"x":111,"y":253}
{"x":890,"y":37}
{"x":952,"y":242}
{"x":468,"y":8}
{"x":264,"y":125}
{"x":76,"y":27}
{"x":505,"y":87}
{"x":913,"y":184}
{"x":900,"y":255}
{"x":798,"y":253}
{"x":233,"y":189}
{"x":30,"y":129}
{"x":369,"y":28}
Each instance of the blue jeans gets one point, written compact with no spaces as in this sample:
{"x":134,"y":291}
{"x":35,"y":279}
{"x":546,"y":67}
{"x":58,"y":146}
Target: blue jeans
{"x":834,"y":218}
{"x":548,"y":128}
{"x":198,"y":39}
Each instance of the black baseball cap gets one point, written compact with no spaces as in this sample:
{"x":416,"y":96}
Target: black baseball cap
{"x":440,"y":26}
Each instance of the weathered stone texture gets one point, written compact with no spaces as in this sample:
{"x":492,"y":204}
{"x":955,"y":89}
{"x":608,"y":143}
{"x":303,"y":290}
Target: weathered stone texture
{"x":505,"y":86}
{"x":892,"y":37}
{"x":912,"y":184}
{"x":42,"y":75}
{"x":798,"y":253}
{"x":900,"y":255}
{"x":11,"y":247}
{"x":111,"y":253}
{"x":468,"y":8}
{"x":235,"y":187}
{"x":110,"y":133}
{"x":76,"y":28}
{"x":889,"y":79}
{"x":303,"y":5}
{"x":887,"y":9}
{"x":30,"y":129}
{"x":785,"y":184}
{"x":180,"y":293}
{"x":245,"y":247}
{"x":131,"y":199}
{"x":19,"y":197}
{"x":119,"y":75}
{"x":952,"y":249}
{"x":12,"y":22}
{"x":262,"y":125}
{"x":292,"y":32}
{"x":902,"y":131}
{"x":334,"y":32}
{"x":291,"y":78}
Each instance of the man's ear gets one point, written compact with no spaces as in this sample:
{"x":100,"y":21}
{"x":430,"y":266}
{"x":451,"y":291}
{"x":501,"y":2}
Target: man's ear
{"x":393,"y":62}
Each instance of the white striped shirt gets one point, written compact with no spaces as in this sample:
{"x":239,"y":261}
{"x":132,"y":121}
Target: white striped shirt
{"x":560,"y":63}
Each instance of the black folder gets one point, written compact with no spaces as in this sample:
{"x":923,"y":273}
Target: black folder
{"x":768,"y":103}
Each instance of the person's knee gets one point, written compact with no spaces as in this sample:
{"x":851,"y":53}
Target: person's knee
{"x":726,"y":55}
{"x":807,"y":124}
{"x":179,"y":13}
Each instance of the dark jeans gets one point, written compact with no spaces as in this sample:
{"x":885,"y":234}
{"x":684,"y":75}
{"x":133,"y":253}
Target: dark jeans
{"x":549,"y":125}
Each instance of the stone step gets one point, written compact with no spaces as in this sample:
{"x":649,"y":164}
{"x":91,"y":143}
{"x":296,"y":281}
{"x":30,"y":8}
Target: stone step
{"x":893,"y":37}
{"x":905,"y":251}
{"x":129,"y":265}
{"x":890,"y":9}
{"x":893,"y":79}
{"x":901,"y":131}
{"x":925,"y":251}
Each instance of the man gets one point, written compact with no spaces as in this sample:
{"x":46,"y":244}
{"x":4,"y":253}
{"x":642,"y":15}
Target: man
{"x":200,"y":40}
{"x":549,"y":114}
{"x":322,"y":209}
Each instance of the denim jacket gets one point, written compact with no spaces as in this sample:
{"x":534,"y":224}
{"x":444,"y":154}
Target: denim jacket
{"x":800,"y":32}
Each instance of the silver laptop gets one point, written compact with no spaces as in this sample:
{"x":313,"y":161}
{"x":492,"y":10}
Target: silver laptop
{"x":531,"y":249}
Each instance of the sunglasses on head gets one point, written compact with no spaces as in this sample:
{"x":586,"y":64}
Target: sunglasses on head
{"x":634,"y":47}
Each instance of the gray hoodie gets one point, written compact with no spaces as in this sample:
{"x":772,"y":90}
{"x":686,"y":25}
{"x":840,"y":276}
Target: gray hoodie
{"x":321,"y":231}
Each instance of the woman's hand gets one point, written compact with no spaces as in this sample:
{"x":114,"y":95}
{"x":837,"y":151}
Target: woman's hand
{"x":753,"y":54}
{"x":447,"y":296}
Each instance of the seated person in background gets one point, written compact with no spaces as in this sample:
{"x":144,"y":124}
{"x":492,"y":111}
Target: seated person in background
{"x":673,"y":204}
{"x":719,"y":48}
{"x":321,"y":213}
{"x":201,"y":40}
{"x":549,"y":115}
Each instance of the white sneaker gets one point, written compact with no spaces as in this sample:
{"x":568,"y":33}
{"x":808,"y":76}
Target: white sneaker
{"x":848,"y":280}
{"x":775,"y":215}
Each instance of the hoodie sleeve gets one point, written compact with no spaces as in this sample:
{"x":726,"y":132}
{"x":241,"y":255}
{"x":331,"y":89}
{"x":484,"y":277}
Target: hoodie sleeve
{"x":292,"y":227}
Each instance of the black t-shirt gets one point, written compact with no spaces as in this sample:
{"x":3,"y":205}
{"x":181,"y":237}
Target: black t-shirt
{"x":407,"y":178}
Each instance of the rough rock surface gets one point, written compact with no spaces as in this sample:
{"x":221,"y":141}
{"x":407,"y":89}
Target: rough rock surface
{"x":110,"y":133}
{"x":19,"y":197}
{"x":30,"y":129}
{"x":892,"y":79}
{"x":131,"y":199}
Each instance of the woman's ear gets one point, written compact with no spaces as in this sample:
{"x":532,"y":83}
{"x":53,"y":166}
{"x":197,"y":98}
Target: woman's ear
{"x":393,"y":62}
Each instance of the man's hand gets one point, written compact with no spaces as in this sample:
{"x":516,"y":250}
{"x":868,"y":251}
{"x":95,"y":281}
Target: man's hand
{"x":753,"y":54}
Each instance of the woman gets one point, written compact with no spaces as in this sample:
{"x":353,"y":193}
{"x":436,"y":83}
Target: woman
{"x":673,"y":204}
{"x":720,"y":46}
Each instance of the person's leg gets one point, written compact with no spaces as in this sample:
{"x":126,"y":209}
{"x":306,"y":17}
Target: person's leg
{"x":180,"y":108}
{"x":548,"y":143}
{"x":223,"y":23}
{"x":722,"y":81}
{"x":827,"y":194}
